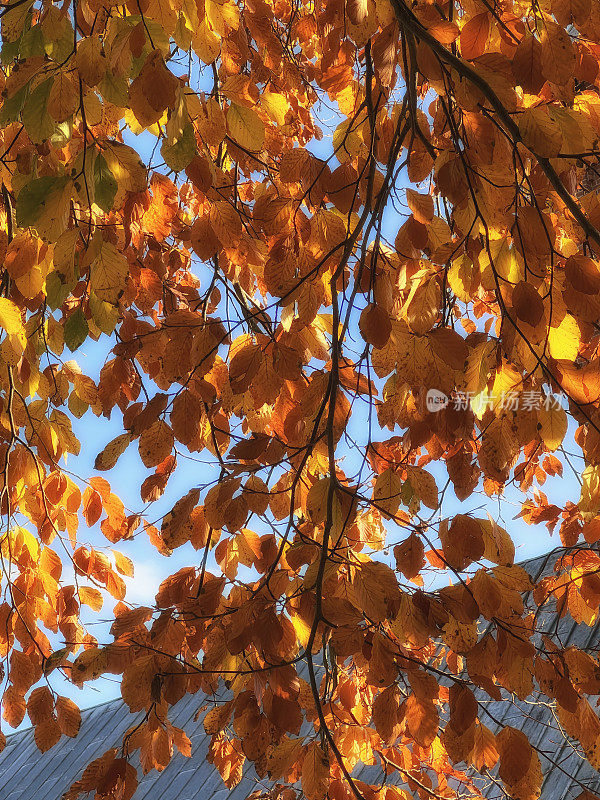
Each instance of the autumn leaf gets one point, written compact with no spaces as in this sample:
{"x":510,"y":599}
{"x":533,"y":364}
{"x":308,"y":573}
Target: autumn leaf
{"x":557,"y":55}
{"x":68,"y":716}
{"x":10,"y":317}
{"x":46,"y":734}
{"x":63,"y":99}
{"x":386,"y":714}
{"x":540,"y":133}
{"x":474,"y":35}
{"x":315,"y":773}
{"x":246,"y":127}
{"x":109,"y":456}
{"x":90,"y":60}
{"x":108,"y":274}
{"x":553,"y":426}
{"x":424,"y":486}
{"x":41,"y":203}
{"x":124,"y":564}
{"x":88,"y":665}
{"x":376,"y":590}
{"x":387,"y":491}
{"x":375,"y":326}
{"x":410,"y":556}
{"x":421,"y":206}
{"x":421,"y":719}
{"x":156,"y":443}
{"x":216,"y":719}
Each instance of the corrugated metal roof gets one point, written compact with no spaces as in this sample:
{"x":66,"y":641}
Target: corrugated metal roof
{"x":26,"y":774}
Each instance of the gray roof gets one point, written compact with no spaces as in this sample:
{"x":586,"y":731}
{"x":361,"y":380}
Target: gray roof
{"x":26,"y":774}
{"x":566,"y":771}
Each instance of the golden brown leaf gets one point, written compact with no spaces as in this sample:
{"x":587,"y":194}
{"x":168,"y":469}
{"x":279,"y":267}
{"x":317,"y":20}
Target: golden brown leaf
{"x":315,"y":772}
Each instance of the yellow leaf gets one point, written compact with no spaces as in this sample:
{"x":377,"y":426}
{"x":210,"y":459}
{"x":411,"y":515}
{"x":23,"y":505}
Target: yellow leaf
{"x":282,"y":756}
{"x":91,"y":63}
{"x":88,"y":665}
{"x":485,"y":754}
{"x":505,"y":261}
{"x":209,"y":119}
{"x":123,"y":564}
{"x":245,"y":127}
{"x":422,"y":305}
{"x":32,"y":283}
{"x":553,"y":422}
{"x":301,"y":628}
{"x":563,"y":341}
{"x":479,"y":364}
{"x":206,"y":43}
{"x":91,"y":597}
{"x":275,"y":106}
{"x":463,"y":278}
{"x":126,"y":167}
{"x":108,"y":273}
{"x":223,"y":16}
{"x":10,"y":317}
{"x":163,"y":12}
{"x":22,"y":254}
{"x":376,"y":591}
{"x":386,"y":492}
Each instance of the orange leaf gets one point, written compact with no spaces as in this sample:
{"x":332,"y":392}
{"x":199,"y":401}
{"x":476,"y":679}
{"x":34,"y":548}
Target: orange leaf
{"x":68,"y":715}
{"x":156,"y":443}
{"x":474,"y":36}
{"x":123,"y":564}
{"x":315,"y":773}
{"x":13,"y":707}
{"x":40,"y":705}
{"x":558,"y":54}
{"x":375,"y":325}
{"x":421,"y":206}
{"x":46,"y":734}
{"x":91,"y":597}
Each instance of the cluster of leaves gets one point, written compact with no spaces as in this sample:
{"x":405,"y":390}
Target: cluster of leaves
{"x":254,"y":308}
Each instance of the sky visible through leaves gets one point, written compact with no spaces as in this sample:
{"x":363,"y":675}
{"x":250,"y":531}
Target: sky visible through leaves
{"x":255,"y":252}
{"x":151,"y":567}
